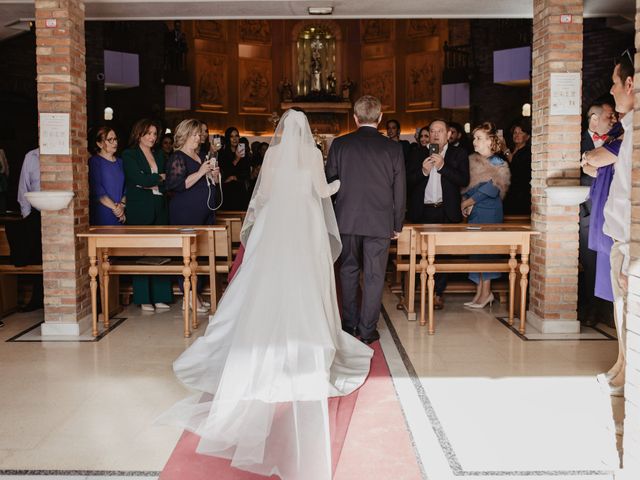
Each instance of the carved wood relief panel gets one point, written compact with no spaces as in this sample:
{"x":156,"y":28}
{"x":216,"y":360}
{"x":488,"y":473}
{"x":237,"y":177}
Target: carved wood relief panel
{"x":376,"y":30}
{"x":423,"y":73}
{"x":254,"y":86}
{"x":379,"y":79}
{"x":211,"y":30}
{"x":212,"y":84}
{"x":255,"y":31}
{"x":423,"y":27}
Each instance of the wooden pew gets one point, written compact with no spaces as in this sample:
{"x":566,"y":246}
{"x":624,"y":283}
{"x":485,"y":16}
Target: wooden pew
{"x":406,"y":250}
{"x":233,"y":220}
{"x":213,"y":247}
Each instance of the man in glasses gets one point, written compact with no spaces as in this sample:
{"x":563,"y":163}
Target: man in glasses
{"x":617,"y":214}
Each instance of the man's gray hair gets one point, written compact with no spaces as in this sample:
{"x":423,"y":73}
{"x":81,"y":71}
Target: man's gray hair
{"x":367,"y":109}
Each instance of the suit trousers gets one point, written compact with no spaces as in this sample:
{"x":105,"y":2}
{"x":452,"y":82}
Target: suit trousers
{"x":587,"y":258}
{"x":435,"y":215}
{"x":369,"y":255}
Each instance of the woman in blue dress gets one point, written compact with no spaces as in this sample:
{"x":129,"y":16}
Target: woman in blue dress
{"x":106,"y":180}
{"x":192,"y":181}
{"x":488,"y":184}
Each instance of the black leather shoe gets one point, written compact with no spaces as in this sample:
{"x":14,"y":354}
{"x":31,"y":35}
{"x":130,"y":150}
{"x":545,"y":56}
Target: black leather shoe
{"x":374,"y":337}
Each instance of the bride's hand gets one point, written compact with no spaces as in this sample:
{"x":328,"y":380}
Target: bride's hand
{"x":334,"y":187}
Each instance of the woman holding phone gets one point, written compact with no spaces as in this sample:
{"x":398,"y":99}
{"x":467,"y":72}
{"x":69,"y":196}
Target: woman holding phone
{"x":234,"y":166}
{"x":192,"y":181}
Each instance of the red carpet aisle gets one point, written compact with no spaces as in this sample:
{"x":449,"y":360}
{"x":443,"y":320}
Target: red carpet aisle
{"x":369,"y":439}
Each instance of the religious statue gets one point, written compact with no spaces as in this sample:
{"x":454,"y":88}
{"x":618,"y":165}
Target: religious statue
{"x":274,"y":119}
{"x":331,"y":84}
{"x":316,"y":65}
{"x":347,"y":89}
{"x":285,"y":89}
{"x":176,"y":48}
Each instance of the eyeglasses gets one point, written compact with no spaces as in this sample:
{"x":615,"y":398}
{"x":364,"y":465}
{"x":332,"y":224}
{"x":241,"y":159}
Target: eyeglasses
{"x":628,"y":53}
{"x":111,"y":140}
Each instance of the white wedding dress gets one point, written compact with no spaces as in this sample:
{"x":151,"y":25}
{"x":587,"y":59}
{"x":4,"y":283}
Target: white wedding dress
{"x":274,"y":351}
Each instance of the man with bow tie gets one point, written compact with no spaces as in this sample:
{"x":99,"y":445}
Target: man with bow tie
{"x":600,"y":119}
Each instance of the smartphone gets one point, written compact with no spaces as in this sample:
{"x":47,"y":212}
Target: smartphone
{"x":434,"y":148}
{"x":241,"y":149}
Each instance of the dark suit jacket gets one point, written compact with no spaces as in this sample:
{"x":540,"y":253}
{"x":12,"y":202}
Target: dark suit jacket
{"x":370,"y":167}
{"x":586,"y":144}
{"x":454,"y":176}
{"x":140,"y":201}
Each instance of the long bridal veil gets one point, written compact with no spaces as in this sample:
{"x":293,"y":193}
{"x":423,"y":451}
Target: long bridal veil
{"x":274,"y":351}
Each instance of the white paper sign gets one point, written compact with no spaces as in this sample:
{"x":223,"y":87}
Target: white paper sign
{"x":54,"y":134}
{"x":565,"y":94}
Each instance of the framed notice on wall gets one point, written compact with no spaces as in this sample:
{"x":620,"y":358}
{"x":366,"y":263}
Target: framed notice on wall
{"x":565,"y":94}
{"x":54,"y":134}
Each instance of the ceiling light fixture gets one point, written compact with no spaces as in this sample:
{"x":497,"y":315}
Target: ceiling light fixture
{"x":320,"y":10}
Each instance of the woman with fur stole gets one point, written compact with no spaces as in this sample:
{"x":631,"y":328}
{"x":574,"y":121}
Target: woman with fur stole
{"x":488,"y":184}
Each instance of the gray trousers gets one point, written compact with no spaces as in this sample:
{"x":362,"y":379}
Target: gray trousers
{"x":369,"y":255}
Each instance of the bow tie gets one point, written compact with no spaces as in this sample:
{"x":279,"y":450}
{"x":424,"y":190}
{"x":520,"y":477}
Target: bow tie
{"x":597,"y":137}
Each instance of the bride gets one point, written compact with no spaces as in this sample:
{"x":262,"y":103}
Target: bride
{"x":274,"y":351}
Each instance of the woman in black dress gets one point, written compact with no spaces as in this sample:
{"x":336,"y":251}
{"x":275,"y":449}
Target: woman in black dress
{"x":518,"y":198}
{"x":234,"y":165}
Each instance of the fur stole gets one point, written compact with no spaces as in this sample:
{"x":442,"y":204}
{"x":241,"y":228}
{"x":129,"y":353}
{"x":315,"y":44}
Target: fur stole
{"x":481,"y":170}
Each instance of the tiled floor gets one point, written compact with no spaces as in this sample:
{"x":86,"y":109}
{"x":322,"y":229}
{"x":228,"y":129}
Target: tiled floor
{"x":480,"y":400}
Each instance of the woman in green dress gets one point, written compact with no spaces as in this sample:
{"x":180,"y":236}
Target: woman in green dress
{"x":144,"y":170}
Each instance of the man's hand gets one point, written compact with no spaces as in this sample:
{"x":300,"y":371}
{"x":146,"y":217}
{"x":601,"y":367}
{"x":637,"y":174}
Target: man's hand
{"x":438,"y":160}
{"x":624,"y":281}
{"x":590,"y":170}
{"x":584,"y":160}
{"x":395,"y":235}
{"x":427,"y":165}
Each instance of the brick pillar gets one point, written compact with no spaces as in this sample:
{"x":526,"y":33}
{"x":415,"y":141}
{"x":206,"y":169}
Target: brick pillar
{"x":631,"y":438}
{"x":557,"y":47}
{"x":60,"y":56}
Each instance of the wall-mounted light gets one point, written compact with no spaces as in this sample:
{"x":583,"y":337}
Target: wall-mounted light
{"x":108,"y":113}
{"x":526,"y":110}
{"x":167,"y":130}
{"x":467,"y":127}
{"x":320,"y":10}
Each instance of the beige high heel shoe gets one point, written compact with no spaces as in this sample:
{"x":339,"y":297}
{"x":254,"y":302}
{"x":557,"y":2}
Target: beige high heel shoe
{"x":489,"y":300}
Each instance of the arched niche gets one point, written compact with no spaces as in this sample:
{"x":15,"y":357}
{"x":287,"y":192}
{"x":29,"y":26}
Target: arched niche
{"x":316,"y":55}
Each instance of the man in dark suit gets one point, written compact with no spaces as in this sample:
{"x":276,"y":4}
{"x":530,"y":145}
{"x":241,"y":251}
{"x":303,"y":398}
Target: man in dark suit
{"x":435,"y":185}
{"x":370,"y":210}
{"x":600,"y":119}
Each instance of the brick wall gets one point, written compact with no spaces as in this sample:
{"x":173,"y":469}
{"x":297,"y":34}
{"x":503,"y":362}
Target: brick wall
{"x":631,"y":439}
{"x":60,"y":55}
{"x":556,"y":153}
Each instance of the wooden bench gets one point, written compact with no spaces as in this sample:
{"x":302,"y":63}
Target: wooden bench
{"x":406,"y":263}
{"x":8,"y":272}
{"x":191,"y":243}
{"x":233,"y":220}
{"x":213,"y":248}
{"x":437,"y":240}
